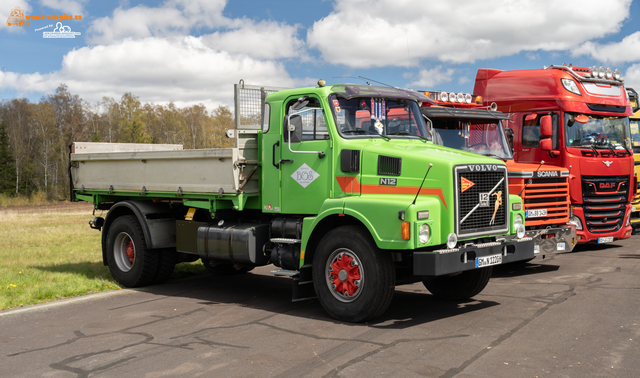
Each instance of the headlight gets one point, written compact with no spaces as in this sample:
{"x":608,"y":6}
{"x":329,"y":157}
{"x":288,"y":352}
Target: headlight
{"x":576,"y":221}
{"x":453,"y":97}
{"x":517,"y":220}
{"x":617,"y":74}
{"x":452,"y":240}
{"x":601,"y":72}
{"x":520,"y":231}
{"x":424,"y":233}
{"x":571,"y":86}
{"x":467,"y":98}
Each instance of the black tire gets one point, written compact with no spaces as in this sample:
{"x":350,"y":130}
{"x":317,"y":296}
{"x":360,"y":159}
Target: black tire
{"x":461,"y":286}
{"x":167,"y":260}
{"x":225,"y":269}
{"x":369,"y":286}
{"x":125,"y":236}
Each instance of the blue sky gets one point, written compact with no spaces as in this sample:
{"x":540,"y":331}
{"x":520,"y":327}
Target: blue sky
{"x":193,"y":51}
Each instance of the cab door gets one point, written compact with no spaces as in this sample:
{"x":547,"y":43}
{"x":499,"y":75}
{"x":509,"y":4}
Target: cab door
{"x":306,"y":158}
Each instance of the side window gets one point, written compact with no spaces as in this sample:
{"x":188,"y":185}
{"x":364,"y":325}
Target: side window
{"x":266,"y":116}
{"x":313,"y":122}
{"x":531,"y":131}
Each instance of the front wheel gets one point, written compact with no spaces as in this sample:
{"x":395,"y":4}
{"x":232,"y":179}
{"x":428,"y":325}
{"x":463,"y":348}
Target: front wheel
{"x":461,"y":286}
{"x":354,"y":280}
{"x":129,"y":260}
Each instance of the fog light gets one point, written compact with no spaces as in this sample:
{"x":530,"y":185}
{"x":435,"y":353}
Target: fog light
{"x":520,"y":231}
{"x":617,"y":74}
{"x":608,"y":73}
{"x":452,"y":240}
{"x":424,"y":233}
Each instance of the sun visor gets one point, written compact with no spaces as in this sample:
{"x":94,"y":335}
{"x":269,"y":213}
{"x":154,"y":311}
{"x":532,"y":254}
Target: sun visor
{"x":349,"y":91}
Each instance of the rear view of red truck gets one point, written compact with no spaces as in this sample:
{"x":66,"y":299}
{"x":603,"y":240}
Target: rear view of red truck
{"x":577,"y":118}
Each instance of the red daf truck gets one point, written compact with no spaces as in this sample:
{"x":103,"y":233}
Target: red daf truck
{"x":577,"y":118}
{"x":460,"y":121}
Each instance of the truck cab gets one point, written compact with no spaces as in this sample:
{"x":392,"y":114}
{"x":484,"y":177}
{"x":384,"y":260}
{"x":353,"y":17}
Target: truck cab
{"x":576,"y":118}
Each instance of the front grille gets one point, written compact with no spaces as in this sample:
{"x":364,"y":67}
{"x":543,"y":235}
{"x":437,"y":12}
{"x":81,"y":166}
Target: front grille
{"x":482,"y":197}
{"x":550,"y":194}
{"x":604,"y":199}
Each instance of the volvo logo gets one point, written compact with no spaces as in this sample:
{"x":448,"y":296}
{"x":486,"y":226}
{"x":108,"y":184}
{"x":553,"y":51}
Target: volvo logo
{"x":483,"y":167}
{"x":607,"y":163}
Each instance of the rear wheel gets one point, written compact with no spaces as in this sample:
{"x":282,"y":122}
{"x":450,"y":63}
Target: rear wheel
{"x":129,"y":260}
{"x":461,"y":286}
{"x":354,"y":280}
{"x":167,"y":260}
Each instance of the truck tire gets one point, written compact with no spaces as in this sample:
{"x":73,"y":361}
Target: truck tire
{"x":461,"y":286}
{"x":225,"y":269}
{"x":130,"y":262}
{"x":354,"y":280}
{"x":167,"y":260}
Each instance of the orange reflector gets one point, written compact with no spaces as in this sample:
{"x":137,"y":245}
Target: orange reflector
{"x":465,"y":184}
{"x":406,"y":231}
{"x":341,"y":214}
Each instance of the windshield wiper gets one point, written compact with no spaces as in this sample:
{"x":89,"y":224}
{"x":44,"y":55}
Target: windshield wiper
{"x":594,"y":149}
{"x":406,"y":133}
{"x":363,"y":131}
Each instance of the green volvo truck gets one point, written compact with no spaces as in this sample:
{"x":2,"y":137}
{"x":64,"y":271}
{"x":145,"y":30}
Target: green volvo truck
{"x":337,"y":186}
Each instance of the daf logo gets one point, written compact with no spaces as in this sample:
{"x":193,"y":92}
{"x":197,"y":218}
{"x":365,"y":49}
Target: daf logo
{"x":607,"y":185}
{"x":483,"y":167}
{"x":607,"y":163}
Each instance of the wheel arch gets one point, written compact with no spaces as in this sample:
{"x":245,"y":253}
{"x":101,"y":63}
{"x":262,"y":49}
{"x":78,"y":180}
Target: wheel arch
{"x":322,"y":227}
{"x":157,"y":222}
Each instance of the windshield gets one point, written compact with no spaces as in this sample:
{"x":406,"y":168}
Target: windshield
{"x":601,"y":132}
{"x":478,"y":136}
{"x":378,"y":117}
{"x":634,"y":125}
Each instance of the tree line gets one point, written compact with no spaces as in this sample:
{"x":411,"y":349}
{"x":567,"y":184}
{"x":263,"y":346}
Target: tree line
{"x":35,"y":137}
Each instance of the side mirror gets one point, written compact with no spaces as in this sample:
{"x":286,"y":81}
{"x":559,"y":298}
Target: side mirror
{"x":581,"y":118}
{"x":546,"y":127}
{"x":293,"y":129}
{"x":546,"y":144}
{"x":510,"y":134}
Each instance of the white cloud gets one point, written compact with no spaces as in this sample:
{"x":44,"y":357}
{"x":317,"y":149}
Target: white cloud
{"x":376,"y":33}
{"x":632,"y":77}
{"x":172,"y":18}
{"x":158,"y":70}
{"x":627,"y":50}
{"x":263,"y":40}
{"x":427,"y":79}
{"x":67,"y":6}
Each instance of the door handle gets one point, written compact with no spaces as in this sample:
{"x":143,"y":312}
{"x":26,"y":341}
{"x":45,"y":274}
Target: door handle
{"x":286,"y":160}
{"x":273,"y":155}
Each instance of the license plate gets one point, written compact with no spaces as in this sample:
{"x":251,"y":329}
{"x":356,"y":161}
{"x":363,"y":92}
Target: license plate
{"x":488,"y":261}
{"x":536,"y":213}
{"x":606,"y":239}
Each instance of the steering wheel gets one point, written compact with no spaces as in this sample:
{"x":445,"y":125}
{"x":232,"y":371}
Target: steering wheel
{"x":478,"y":144}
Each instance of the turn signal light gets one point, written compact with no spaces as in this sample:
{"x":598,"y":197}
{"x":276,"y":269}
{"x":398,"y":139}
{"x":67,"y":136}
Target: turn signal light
{"x":406,"y":230}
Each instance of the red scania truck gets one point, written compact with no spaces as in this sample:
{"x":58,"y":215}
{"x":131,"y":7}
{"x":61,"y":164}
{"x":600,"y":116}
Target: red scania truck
{"x":577,"y":118}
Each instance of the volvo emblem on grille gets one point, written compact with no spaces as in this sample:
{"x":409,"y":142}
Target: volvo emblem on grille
{"x":483,"y":167}
{"x":607,"y":163}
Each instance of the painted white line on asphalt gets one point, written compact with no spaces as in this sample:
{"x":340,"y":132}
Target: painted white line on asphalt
{"x":64,"y":302}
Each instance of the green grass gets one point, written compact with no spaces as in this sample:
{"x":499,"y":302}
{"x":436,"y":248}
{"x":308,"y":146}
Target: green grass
{"x":54,"y":254}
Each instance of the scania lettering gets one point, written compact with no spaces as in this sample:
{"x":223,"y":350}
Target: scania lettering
{"x":347,"y":210}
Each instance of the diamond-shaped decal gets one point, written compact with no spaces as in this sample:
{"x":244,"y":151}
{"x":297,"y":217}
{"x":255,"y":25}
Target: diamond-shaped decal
{"x":304,"y":175}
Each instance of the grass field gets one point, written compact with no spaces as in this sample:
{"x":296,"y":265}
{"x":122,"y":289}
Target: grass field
{"x":49,"y":252}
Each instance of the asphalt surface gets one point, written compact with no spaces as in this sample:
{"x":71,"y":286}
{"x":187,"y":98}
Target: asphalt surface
{"x":569,"y":315}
